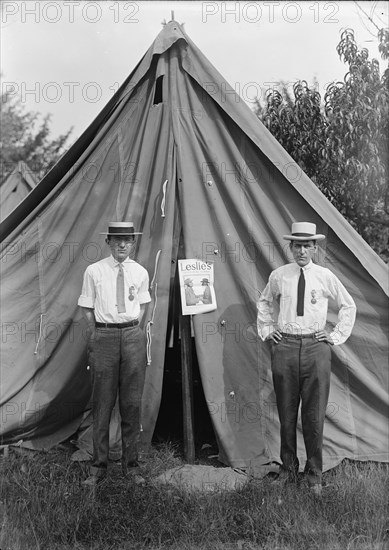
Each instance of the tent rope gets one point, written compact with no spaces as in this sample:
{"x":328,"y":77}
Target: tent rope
{"x":163,"y":199}
{"x":155,"y":268}
{"x":148,"y":329}
{"x":40,"y":333}
{"x":151,"y":321}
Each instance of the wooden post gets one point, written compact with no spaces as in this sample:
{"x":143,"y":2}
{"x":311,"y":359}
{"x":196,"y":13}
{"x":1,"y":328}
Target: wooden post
{"x":187,"y":388}
{"x":186,"y":370}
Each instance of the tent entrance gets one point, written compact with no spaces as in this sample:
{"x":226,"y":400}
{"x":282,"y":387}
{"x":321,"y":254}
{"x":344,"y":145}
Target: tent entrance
{"x":183,"y":414}
{"x":170,"y":421}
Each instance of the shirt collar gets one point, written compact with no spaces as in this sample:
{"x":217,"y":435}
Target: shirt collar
{"x":306,"y":267}
{"x":115,"y":263}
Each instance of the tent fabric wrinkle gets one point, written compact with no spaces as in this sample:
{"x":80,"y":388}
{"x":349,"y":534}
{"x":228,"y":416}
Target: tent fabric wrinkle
{"x":186,"y":160}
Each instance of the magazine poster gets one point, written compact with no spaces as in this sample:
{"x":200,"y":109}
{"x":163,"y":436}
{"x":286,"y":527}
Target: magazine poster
{"x":196,"y":286}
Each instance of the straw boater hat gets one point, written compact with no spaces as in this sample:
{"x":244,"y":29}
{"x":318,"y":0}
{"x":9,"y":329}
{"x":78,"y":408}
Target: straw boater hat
{"x":121,"y":229}
{"x":187,"y":281}
{"x":304,"y":231}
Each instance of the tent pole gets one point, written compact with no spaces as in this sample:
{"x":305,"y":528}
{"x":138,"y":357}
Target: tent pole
{"x":187,"y":388}
{"x":186,"y":372}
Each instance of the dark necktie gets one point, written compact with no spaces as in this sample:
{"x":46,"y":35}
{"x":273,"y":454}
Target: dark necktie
{"x":300,"y":294}
{"x":120,"y":303}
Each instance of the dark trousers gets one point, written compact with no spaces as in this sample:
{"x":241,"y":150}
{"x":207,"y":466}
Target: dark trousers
{"x":117,"y":357}
{"x":301,"y":372}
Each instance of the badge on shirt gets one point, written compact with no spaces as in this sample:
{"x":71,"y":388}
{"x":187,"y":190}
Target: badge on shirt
{"x":313,"y":299}
{"x":131,"y":291}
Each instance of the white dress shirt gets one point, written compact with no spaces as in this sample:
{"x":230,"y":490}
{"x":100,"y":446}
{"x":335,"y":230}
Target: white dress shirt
{"x":320,"y":285}
{"x":99,"y":290}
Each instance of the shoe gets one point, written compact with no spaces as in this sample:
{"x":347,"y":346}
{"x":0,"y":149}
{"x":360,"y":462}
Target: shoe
{"x":93,"y":481}
{"x":80,"y":456}
{"x":134,"y":478}
{"x":316,"y":490}
{"x":284,"y":478}
{"x":131,"y":468}
{"x":138,"y":479}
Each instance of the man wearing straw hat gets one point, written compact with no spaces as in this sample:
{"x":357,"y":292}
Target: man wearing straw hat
{"x":301,"y":347}
{"x":191,"y":298}
{"x":114,"y":293}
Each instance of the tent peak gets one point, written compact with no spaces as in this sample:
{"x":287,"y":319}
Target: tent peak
{"x":170,"y":33}
{"x":172,"y":20}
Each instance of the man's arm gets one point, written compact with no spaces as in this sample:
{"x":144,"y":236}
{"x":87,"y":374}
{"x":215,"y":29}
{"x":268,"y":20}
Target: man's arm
{"x":144,"y":295}
{"x":89,"y":315}
{"x":267,"y":326}
{"x":346,"y":314}
{"x":142,"y":312}
{"x":86,"y":302}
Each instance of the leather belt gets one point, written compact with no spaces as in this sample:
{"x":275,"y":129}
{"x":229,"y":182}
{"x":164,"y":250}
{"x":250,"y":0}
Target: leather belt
{"x":298,"y":336}
{"x":132,"y":323}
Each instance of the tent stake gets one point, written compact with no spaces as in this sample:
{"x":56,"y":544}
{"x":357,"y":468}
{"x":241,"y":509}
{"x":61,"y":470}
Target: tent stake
{"x":187,"y":389}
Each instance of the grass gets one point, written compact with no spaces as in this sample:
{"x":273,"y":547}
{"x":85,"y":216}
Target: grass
{"x":43,"y":506}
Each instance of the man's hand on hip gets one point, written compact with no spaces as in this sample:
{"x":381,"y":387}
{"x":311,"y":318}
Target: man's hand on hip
{"x":322,"y":336}
{"x":276,"y":336}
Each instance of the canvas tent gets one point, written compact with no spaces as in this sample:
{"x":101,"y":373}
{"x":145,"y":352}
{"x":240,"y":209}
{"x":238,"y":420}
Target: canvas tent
{"x":180,"y":154}
{"x":15,"y":186}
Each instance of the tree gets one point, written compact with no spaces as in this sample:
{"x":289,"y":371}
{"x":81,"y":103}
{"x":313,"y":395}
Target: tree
{"x":25,"y":136}
{"x":343,"y":145}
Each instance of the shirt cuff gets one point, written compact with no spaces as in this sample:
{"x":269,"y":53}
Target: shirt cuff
{"x":337,"y":338}
{"x":85,"y":301}
{"x":144,"y":297}
{"x":265,"y":331}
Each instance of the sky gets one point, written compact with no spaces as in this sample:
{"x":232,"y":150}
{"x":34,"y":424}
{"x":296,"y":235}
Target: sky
{"x":67,"y":58}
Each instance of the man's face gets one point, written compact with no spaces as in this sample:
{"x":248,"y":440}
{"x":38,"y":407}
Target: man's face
{"x":121,"y":247}
{"x":303,"y":251}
